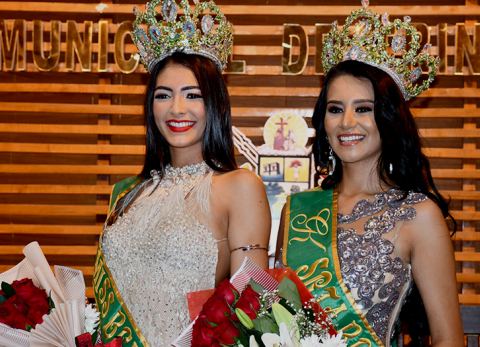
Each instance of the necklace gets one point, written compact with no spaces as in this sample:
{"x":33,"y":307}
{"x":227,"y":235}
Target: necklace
{"x":186,"y":176}
{"x":183,"y":172}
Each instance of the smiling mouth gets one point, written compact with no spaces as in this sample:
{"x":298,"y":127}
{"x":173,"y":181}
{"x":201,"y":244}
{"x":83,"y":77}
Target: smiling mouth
{"x":180,"y":126}
{"x":350,"y":139}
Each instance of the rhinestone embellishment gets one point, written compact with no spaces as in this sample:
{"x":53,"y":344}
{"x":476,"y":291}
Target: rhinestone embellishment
{"x":375,"y":277}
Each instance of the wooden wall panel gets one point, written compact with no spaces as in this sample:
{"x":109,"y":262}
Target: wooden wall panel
{"x":67,"y":136}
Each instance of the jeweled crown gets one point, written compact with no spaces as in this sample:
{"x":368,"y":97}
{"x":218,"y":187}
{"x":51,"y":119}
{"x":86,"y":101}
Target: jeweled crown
{"x":393,"y":47}
{"x":201,"y":29}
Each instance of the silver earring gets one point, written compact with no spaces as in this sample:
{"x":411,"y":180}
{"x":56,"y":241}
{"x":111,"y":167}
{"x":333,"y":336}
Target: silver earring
{"x":332,"y":162}
{"x":390,"y":168}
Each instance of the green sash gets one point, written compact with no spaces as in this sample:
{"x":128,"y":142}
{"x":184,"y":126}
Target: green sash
{"x":115,"y":318}
{"x":310,"y":249}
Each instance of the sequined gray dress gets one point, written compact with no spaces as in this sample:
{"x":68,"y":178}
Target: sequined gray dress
{"x":378,"y":279}
{"x":159,"y":250}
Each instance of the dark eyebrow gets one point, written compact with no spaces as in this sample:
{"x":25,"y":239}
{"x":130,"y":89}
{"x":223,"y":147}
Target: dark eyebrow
{"x":190,"y":88}
{"x":334,"y":102}
{"x":171,"y":90}
{"x":358,"y":101}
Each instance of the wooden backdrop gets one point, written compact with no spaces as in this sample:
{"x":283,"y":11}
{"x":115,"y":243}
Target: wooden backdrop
{"x":67,"y":136}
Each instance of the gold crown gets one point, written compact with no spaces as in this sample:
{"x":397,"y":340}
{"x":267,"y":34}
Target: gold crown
{"x":204,"y":31}
{"x":390,"y":46}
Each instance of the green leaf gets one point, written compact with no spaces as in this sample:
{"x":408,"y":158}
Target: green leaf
{"x":266,"y":324}
{"x":28,"y":327}
{"x":288,"y":290}
{"x":51,"y":304}
{"x":8,"y":290}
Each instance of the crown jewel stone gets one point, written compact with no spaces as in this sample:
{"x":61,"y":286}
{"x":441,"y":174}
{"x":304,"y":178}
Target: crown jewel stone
{"x":385,"y":20}
{"x":169,"y":11}
{"x":189,"y":29}
{"x":415,"y":74}
{"x":155,"y":33}
{"x":207,"y":24}
{"x":398,"y":43}
{"x":353,"y":53}
{"x":362,"y":28}
{"x":365,"y":3}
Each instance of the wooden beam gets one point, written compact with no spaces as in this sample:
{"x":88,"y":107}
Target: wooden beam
{"x":46,"y":229}
{"x":266,"y":10}
{"x":51,"y":210}
{"x":70,"y":169}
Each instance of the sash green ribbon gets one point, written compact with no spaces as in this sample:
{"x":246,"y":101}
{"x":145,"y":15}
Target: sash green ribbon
{"x":310,"y":249}
{"x":115,"y":318}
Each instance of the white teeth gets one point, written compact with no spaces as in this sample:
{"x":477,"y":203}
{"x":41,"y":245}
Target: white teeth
{"x":348,"y":138}
{"x":180,"y":124}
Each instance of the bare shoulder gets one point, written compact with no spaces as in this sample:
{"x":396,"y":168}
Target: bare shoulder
{"x":429,"y":222}
{"x":428,"y":212}
{"x":240,"y":182}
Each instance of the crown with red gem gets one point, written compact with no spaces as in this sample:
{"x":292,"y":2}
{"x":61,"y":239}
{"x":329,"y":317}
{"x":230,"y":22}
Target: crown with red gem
{"x":201,"y":29}
{"x":393,"y":47}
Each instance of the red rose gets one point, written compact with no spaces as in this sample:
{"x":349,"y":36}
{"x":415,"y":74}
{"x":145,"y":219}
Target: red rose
{"x":216,"y":310}
{"x":203,"y":333}
{"x":249,"y":302}
{"x":227,"y":291}
{"x":20,"y":305}
{"x":226,"y":333}
{"x":10,"y":316}
{"x":35,"y":316}
{"x":31,"y":300}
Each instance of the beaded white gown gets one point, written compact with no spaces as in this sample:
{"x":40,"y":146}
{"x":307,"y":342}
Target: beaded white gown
{"x":159,"y":250}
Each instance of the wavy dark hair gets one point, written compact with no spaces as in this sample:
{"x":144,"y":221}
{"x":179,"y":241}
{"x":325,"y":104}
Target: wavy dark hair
{"x":401,"y":147}
{"x":217,"y":144}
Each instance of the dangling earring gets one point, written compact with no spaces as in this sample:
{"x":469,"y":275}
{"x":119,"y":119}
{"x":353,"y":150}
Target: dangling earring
{"x":390,"y":168}
{"x":332,"y":162}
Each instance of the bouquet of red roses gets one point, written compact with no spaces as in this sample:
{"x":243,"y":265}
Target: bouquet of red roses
{"x":22,"y":304}
{"x":39,"y":307}
{"x":255,"y":309}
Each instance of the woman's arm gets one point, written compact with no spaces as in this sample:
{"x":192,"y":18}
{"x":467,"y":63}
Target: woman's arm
{"x":249,"y":219}
{"x":433,"y":268}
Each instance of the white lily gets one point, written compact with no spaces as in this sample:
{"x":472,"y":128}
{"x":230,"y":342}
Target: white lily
{"x":253,"y":342}
{"x":271,"y":340}
{"x":285,"y":339}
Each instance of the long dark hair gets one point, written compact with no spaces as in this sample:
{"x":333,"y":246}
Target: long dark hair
{"x":400,"y":141}
{"x":217,"y":144}
{"x":401,"y":148}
